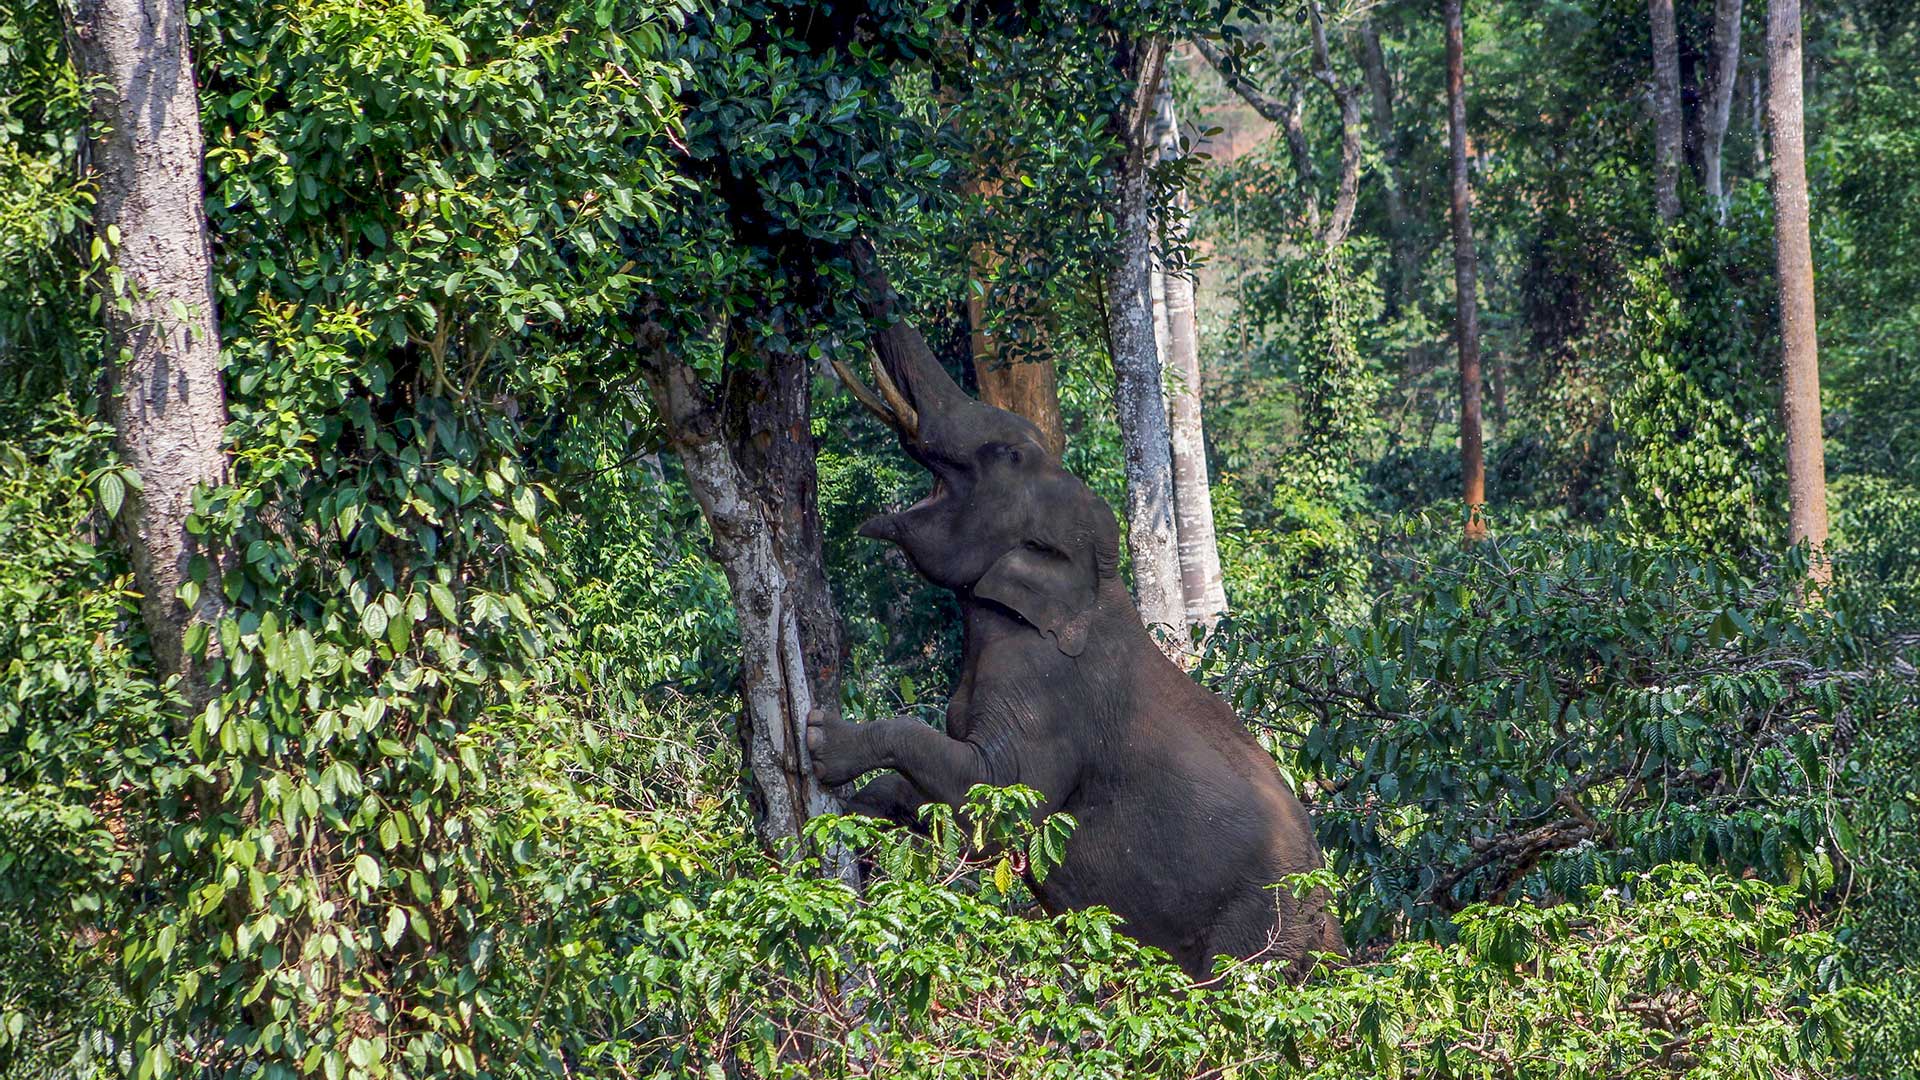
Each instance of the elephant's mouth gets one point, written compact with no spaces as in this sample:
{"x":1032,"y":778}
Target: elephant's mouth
{"x":938,"y":493}
{"x":895,"y":526}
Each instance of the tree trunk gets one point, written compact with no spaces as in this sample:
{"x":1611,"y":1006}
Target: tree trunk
{"x":1141,"y":405}
{"x":1347,"y":99}
{"x":1793,"y":252}
{"x":1202,"y":585}
{"x":1406,"y":257}
{"x":1466,"y":272}
{"x":168,"y":401}
{"x":1721,"y":77}
{"x":1026,"y":385}
{"x":759,"y":505}
{"x":1668,"y":125}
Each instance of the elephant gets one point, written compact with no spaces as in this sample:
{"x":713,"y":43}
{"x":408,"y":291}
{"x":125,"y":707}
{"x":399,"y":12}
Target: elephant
{"x":1184,"y":824}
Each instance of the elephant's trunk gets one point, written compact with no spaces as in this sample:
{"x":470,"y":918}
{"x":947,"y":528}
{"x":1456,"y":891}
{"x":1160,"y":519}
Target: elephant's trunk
{"x":905,"y":359}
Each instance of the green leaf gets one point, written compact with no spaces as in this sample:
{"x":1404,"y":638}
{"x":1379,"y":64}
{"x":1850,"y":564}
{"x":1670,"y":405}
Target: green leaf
{"x":443,"y":602}
{"x":1843,"y":833}
{"x":113,"y":492}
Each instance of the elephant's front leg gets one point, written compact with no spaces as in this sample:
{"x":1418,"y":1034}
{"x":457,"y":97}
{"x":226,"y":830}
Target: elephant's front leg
{"x":890,"y":797}
{"x":943,"y":768}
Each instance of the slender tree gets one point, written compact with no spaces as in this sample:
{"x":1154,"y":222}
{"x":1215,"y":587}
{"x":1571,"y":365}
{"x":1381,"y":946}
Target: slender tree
{"x":1145,"y":438}
{"x":1721,"y":79}
{"x":1346,"y":98}
{"x":168,"y":400}
{"x":1668,"y":123}
{"x":1793,"y":254}
{"x":1202,"y":585}
{"x":1466,"y":273}
{"x":1406,"y":254}
{"x":1331,"y":229}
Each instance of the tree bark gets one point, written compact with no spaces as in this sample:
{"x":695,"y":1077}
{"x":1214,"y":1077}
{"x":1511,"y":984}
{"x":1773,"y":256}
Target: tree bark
{"x":758,"y":501}
{"x":1722,"y":75}
{"x":1406,"y":258}
{"x":1202,"y":584}
{"x":1668,"y":124}
{"x":1027,"y":385}
{"x":1141,"y":405}
{"x":168,"y":399}
{"x":1466,"y":272}
{"x":1793,"y":252}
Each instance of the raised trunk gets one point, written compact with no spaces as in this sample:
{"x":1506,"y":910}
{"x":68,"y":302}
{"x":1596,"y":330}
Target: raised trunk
{"x":1793,"y":253}
{"x":1406,"y":256}
{"x":1719,"y":111}
{"x":1466,"y":272}
{"x":1668,"y":125}
{"x":750,"y":465}
{"x":168,"y":401}
{"x":1141,"y":406}
{"x":1202,"y":585}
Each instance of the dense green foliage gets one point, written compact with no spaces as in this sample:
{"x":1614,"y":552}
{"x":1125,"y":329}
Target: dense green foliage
{"x":1603,"y":797}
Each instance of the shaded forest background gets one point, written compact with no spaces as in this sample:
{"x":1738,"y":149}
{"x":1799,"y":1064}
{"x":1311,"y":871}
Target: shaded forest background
{"x":450,"y":778}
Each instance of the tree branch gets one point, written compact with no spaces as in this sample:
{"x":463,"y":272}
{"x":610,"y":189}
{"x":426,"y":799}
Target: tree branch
{"x":1265,"y":104}
{"x":1347,"y":97}
{"x":1288,"y":115}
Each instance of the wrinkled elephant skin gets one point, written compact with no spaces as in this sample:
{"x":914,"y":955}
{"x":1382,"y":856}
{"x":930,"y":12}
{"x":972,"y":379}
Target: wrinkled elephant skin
{"x":1184,"y":825}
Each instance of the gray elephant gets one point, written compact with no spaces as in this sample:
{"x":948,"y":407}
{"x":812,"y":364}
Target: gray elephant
{"x":1185,"y":825}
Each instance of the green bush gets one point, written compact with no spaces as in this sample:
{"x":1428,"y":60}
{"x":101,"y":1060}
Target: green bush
{"x":930,"y":973}
{"x":1699,"y":453}
{"x":1876,"y":540}
{"x":1542,"y":713}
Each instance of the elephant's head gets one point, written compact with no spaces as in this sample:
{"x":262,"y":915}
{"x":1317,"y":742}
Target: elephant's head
{"x":1004,"y":523}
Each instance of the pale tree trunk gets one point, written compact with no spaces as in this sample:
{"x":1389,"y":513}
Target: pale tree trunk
{"x":1138,"y":398}
{"x":759,"y":507}
{"x":1202,"y":585}
{"x":1719,"y":111}
{"x":1668,"y":125}
{"x":1793,"y":253}
{"x":1157,"y":294}
{"x":1406,"y":256}
{"x":168,"y":401}
{"x":1466,"y":272}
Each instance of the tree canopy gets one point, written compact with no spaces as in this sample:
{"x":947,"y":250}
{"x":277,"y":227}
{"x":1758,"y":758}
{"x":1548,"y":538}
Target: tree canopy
{"x":543,"y":331}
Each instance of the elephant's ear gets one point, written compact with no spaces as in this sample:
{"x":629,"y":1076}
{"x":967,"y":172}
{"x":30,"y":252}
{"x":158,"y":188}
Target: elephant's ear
{"x":1048,"y":589}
